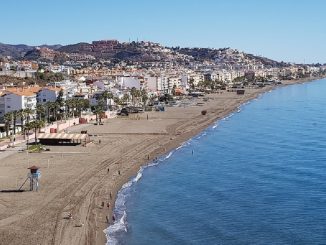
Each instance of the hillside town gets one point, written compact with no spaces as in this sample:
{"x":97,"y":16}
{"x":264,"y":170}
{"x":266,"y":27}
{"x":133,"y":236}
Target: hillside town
{"x":44,"y":85}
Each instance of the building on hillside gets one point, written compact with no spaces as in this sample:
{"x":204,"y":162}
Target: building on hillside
{"x":48,"y":94}
{"x":97,"y":96}
{"x":152,"y":83}
{"x":18,"y":100}
{"x":128,"y":82}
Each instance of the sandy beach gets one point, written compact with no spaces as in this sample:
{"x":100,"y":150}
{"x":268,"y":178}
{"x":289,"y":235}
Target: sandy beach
{"x":78,"y":180}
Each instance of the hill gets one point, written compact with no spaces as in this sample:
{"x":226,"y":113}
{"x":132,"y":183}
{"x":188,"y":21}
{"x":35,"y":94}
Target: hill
{"x":136,"y":52}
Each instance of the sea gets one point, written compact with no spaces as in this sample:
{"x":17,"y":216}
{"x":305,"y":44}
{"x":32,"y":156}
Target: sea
{"x":257,"y":176}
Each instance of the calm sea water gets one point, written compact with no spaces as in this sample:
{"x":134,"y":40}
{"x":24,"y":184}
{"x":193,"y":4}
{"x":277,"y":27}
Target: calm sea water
{"x":256,"y":177}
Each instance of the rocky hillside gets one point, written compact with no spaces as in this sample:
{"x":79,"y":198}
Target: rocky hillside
{"x":45,"y":54}
{"x":15,"y":51}
{"x":134,"y":52}
{"x":20,"y":50}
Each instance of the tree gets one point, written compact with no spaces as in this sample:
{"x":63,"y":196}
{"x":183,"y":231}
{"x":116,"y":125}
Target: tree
{"x":117,"y":100}
{"x":14,"y":118}
{"x":173,"y":89}
{"x":35,"y":125}
{"x":125,"y":98}
{"x":60,"y":99}
{"x":133,"y":93}
{"x":191,"y":83}
{"x":21,"y":114}
{"x":28,"y":127}
{"x":81,"y":104}
{"x":105,"y":96}
{"x":69,"y":104}
{"x":144,"y":98}
{"x":28,"y":112}
{"x":8,"y":121}
{"x":40,"y":112}
{"x":98,"y":110}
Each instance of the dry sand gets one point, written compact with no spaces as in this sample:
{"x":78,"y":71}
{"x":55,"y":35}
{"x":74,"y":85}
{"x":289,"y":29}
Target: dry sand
{"x":76,"y":180}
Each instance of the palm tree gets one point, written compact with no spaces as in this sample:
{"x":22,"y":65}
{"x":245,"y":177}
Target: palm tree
{"x":22,"y":115}
{"x":68,"y":105}
{"x":117,"y":100}
{"x":105,"y":96}
{"x":8,"y":121}
{"x":133,"y":93}
{"x":52,"y":110}
{"x":85,"y":104}
{"x":98,"y":110}
{"x":125,"y":98}
{"x":35,"y":125}
{"x":40,"y":111}
{"x":14,"y":118}
{"x":28,"y":127}
{"x":81,"y":105}
{"x":60,"y":99}
{"x":28,"y":112}
{"x":144,"y":98}
{"x":56,"y":107}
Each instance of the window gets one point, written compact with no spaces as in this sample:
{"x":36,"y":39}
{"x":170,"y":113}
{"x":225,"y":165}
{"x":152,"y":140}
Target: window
{"x":44,"y":100}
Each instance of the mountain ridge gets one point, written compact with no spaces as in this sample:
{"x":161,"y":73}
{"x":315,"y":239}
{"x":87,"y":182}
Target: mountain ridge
{"x":133,"y":52}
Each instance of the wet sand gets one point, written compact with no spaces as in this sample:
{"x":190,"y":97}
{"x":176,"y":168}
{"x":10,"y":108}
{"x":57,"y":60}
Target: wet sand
{"x":78,"y":180}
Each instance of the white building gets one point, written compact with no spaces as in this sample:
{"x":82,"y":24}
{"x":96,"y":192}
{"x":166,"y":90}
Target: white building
{"x":17,"y":100}
{"x":128,"y":82}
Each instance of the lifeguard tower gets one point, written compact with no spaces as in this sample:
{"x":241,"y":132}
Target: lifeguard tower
{"x":34,"y":177}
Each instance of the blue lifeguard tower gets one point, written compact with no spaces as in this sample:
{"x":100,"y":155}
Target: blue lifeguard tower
{"x":34,"y":177}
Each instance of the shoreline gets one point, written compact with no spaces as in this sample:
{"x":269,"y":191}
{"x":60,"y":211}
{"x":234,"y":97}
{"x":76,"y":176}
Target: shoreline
{"x":82,"y":184}
{"x":178,"y":144}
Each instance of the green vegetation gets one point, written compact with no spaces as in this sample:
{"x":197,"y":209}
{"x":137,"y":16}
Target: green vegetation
{"x":49,"y":76}
{"x":35,"y":148}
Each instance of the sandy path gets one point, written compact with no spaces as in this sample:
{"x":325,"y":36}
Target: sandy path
{"x":75,"y":179}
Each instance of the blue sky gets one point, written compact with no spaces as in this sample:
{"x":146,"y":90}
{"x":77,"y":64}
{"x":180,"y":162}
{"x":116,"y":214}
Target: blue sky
{"x":289,"y":30}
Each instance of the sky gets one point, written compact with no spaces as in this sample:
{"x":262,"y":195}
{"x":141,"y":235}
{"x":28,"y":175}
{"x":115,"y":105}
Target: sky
{"x":284,"y":30}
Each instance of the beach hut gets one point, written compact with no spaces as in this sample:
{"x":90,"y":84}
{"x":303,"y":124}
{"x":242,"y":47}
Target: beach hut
{"x":63,"y":138}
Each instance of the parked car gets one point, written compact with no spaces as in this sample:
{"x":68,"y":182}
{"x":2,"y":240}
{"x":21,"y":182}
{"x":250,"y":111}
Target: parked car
{"x":123,"y":112}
